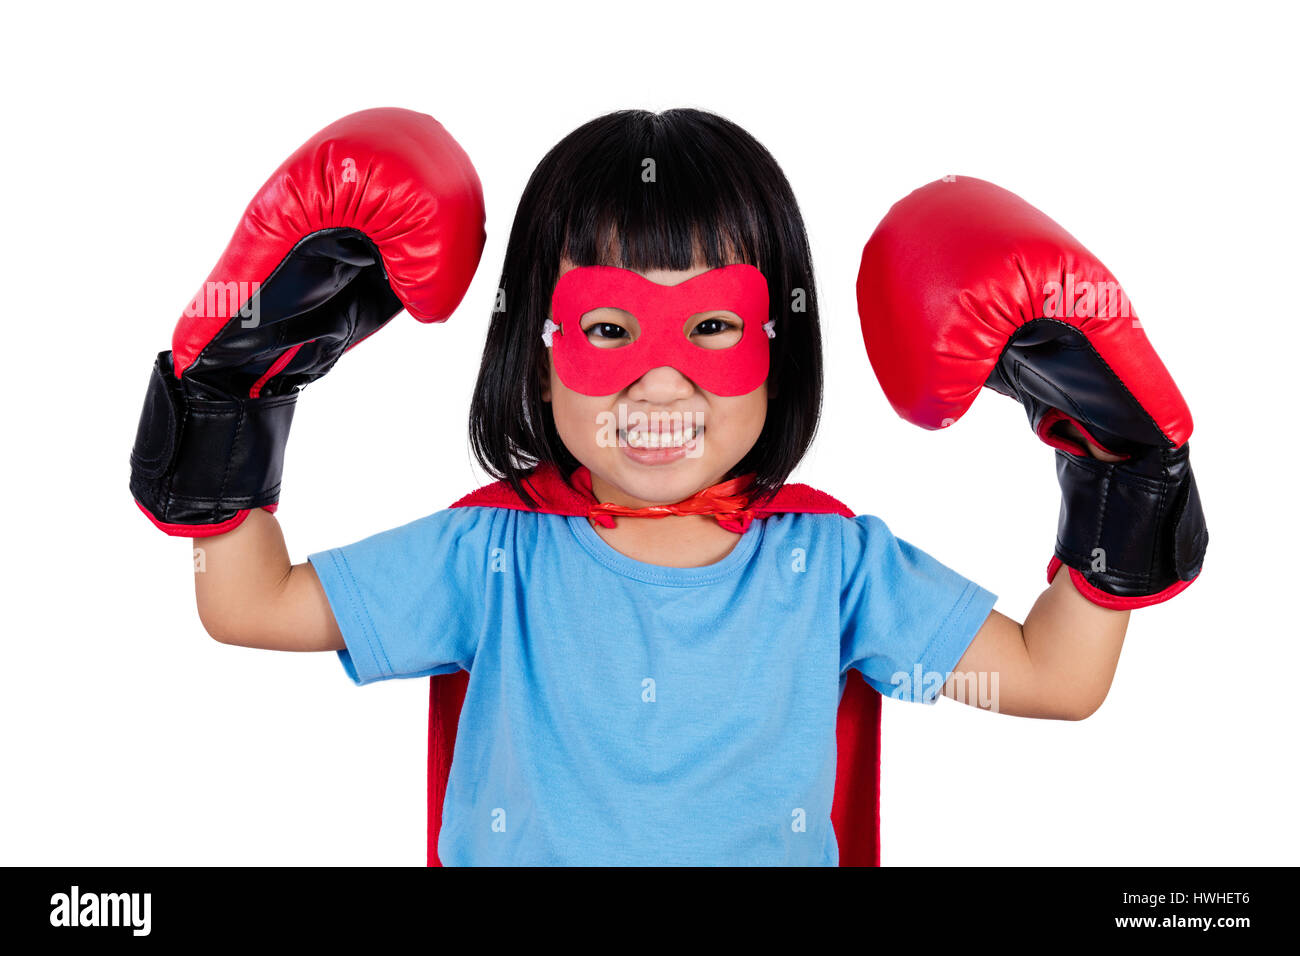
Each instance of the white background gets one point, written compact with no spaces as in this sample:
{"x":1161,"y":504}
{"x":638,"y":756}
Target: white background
{"x":1162,"y":137}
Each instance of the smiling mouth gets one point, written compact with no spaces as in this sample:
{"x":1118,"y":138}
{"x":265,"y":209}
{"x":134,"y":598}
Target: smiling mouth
{"x":667,"y":438}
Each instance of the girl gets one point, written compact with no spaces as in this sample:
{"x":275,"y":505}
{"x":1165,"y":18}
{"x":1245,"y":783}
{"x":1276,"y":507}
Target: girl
{"x":655,"y":681}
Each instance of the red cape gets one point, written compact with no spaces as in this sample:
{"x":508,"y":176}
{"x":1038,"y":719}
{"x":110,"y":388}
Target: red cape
{"x":855,"y":812}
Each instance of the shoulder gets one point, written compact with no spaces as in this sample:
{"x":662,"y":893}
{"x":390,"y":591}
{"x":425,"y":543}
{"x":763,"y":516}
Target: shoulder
{"x":864,"y":538}
{"x":852,"y":534}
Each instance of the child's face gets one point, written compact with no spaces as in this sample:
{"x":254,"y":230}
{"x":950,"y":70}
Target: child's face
{"x":595,"y":429}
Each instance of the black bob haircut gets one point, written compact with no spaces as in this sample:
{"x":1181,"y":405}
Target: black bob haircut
{"x":715,"y":189}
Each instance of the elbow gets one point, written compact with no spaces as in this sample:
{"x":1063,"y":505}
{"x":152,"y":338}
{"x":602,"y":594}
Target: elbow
{"x":1083,"y":708}
{"x":218,"y":627}
{"x":217,"y":634}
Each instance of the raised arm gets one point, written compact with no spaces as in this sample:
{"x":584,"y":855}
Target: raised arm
{"x":965,"y":286}
{"x":380,"y":211}
{"x":250,"y":595}
{"x":1058,"y":664}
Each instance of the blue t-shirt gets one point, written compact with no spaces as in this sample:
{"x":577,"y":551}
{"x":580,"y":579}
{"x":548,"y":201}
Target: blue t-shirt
{"x":620,"y":712}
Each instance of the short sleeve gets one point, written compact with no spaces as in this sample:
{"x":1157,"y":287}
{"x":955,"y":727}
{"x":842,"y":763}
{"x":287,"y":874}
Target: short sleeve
{"x":905,"y":618}
{"x":409,"y":601}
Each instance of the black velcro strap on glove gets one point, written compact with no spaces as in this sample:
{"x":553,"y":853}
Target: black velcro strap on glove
{"x":1132,"y":528}
{"x":198,"y":461}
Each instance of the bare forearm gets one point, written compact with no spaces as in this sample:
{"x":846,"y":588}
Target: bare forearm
{"x":251,"y":595}
{"x":1057,"y":665}
{"x":1073,"y":646}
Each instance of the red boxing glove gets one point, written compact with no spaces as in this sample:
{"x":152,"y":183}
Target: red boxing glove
{"x":377,"y":212}
{"x":965,"y":285}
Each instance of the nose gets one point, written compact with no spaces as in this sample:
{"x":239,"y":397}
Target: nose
{"x":660,"y":385}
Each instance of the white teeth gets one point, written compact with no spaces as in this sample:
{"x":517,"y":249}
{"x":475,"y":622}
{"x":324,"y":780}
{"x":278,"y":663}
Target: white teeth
{"x":668,"y":439}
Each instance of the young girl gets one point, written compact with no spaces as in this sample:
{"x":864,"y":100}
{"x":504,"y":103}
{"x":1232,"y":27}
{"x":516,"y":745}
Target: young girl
{"x":661,"y":687}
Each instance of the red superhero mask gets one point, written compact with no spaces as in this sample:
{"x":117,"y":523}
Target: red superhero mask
{"x":661,"y":312}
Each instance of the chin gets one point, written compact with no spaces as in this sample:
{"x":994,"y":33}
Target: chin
{"x":663,"y":484}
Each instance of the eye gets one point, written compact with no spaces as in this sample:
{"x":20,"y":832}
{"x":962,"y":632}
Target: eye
{"x":712,"y":327}
{"x":716,"y":329}
{"x":609,"y":328}
{"x":605,"y":331}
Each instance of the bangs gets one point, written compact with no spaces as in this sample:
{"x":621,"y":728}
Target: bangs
{"x":664,"y":200}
